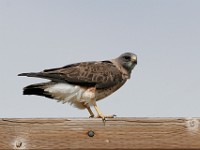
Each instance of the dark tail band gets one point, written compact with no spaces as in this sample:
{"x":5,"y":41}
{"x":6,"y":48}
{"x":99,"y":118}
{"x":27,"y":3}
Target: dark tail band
{"x":36,"y":89}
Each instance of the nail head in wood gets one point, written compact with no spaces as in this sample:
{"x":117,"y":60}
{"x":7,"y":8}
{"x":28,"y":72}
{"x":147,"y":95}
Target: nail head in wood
{"x":90,"y":133}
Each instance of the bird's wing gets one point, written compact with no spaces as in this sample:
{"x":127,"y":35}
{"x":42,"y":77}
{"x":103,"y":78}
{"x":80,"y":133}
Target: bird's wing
{"x":102,"y":74}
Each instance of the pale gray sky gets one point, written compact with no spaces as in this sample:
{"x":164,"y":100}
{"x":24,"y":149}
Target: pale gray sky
{"x":35,"y":35}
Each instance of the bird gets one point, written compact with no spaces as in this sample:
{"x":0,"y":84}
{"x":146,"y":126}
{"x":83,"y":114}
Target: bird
{"x":83,"y":84}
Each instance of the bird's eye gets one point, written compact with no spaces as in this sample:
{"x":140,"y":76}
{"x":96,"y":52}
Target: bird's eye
{"x":127,"y":57}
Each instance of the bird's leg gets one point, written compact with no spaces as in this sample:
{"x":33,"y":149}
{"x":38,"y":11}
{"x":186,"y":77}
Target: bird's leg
{"x":89,"y":110}
{"x":91,"y":113}
{"x":100,"y":114}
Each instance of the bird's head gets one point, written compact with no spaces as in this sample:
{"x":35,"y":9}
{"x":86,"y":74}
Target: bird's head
{"x":128,"y":61}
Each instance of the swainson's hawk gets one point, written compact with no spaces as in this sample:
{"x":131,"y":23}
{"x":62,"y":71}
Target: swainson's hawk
{"x":82,"y":84}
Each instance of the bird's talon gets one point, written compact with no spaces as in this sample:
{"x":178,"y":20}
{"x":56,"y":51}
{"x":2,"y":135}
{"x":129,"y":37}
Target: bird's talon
{"x":104,"y":119}
{"x":111,"y":116}
{"x":101,"y":116}
{"x":92,"y":116}
{"x":114,"y":116}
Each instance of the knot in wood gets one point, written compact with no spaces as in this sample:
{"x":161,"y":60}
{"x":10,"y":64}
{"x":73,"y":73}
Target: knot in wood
{"x":18,"y":144}
{"x":193,"y":125}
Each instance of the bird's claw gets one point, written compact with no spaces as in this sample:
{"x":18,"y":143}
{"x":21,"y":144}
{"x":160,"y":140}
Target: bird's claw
{"x":91,"y":116}
{"x":104,"y":117}
{"x":101,"y":116}
{"x":114,"y":116}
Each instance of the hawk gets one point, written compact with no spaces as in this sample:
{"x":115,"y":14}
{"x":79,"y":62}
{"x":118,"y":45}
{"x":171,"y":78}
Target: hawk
{"x":82,"y":84}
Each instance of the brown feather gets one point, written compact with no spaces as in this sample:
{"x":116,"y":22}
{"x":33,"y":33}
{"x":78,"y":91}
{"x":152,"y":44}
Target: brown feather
{"x":102,"y":74}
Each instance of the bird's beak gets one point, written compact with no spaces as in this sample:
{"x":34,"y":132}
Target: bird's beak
{"x":134,"y":59}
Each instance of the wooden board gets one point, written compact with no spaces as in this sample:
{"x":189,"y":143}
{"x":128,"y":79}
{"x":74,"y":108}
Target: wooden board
{"x":117,"y":133}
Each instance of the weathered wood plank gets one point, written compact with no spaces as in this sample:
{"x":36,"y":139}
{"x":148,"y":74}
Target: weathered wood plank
{"x":117,"y":133}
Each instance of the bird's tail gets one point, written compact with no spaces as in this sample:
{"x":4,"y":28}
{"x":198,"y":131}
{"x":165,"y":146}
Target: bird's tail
{"x":31,"y":74}
{"x":37,"y":89}
{"x":43,"y":75}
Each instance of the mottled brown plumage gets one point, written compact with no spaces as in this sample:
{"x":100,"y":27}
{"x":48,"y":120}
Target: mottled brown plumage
{"x":81,"y":84}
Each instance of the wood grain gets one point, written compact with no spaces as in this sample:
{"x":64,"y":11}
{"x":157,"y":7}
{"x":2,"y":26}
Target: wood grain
{"x":117,"y":133}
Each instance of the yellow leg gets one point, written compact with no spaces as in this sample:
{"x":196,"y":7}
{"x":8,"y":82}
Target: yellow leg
{"x":100,"y":114}
{"x":90,"y":111}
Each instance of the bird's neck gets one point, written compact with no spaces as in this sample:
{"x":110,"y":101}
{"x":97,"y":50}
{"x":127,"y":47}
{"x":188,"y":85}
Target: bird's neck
{"x":125,"y":73}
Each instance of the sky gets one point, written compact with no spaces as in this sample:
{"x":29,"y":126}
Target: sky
{"x":165,"y":35}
